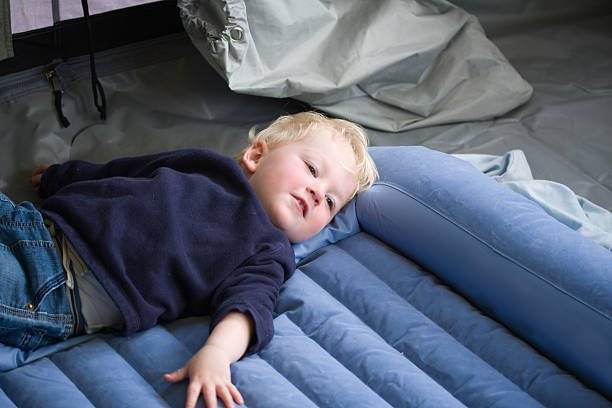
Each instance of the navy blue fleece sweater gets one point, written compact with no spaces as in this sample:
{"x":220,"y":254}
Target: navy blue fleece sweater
{"x":172,"y":235}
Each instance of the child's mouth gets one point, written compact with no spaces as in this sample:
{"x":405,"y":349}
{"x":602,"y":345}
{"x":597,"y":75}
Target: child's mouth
{"x":302,"y":205}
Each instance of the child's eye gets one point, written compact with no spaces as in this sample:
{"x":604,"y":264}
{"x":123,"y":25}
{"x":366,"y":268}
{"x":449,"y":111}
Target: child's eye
{"x":330,"y":202}
{"x":312,"y":170}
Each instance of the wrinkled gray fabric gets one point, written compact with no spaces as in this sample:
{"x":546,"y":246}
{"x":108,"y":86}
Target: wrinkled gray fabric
{"x":558,"y":200}
{"x":6,"y":37}
{"x":163,"y":95}
{"x":390,"y":65}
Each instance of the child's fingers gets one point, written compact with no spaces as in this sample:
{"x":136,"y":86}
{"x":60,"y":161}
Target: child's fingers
{"x":40,"y":169}
{"x":235,"y":394}
{"x":37,"y":175}
{"x":36,"y":181}
{"x":226,"y":396}
{"x":210,"y":397}
{"x":178,"y":375}
{"x":193,"y":392}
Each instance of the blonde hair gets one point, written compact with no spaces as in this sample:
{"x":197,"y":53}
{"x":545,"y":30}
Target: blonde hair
{"x":293,"y":128}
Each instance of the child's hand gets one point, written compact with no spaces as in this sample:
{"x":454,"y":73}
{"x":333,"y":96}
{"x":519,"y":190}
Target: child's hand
{"x":209,"y":369}
{"x":37,"y":175}
{"x":209,"y":374}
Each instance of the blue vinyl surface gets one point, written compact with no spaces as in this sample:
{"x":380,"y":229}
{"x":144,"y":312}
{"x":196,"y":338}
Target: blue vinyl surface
{"x":424,"y":302}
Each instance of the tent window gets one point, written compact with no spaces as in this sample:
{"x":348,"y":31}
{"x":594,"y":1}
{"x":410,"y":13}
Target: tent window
{"x":28,"y":15}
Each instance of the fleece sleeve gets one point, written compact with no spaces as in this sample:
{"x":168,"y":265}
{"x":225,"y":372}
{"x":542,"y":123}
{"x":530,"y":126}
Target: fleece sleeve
{"x":253,"y":288}
{"x":60,"y":175}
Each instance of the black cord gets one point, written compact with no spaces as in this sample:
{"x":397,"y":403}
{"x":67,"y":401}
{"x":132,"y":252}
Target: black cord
{"x":58,"y":108}
{"x":96,"y":86}
{"x":52,"y":75}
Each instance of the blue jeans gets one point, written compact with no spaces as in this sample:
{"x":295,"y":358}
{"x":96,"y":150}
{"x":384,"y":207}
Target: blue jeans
{"x":34,"y":304}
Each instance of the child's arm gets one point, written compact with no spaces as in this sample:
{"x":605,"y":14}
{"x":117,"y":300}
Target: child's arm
{"x":208,"y":370}
{"x":49,"y":179}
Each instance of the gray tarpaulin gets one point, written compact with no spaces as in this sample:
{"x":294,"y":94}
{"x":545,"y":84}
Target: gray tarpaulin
{"x":390,"y":64}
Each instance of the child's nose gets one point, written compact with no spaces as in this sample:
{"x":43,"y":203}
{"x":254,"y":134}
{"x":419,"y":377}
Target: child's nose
{"x":317,"y":196}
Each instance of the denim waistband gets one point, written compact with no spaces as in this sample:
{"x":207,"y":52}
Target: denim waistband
{"x":72,"y":289}
{"x":75,"y":306}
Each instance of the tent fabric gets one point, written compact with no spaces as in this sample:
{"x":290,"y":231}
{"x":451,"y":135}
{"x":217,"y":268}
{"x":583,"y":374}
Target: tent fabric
{"x":6,"y":42}
{"x":30,"y":15}
{"x":391,"y":65}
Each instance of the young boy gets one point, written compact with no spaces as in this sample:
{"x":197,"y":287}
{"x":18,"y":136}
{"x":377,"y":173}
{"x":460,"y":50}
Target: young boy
{"x":151,"y":239}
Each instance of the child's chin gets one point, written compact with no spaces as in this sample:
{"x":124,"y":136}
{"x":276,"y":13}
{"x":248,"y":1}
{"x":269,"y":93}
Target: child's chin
{"x":297,"y":238}
{"x":295,"y":231}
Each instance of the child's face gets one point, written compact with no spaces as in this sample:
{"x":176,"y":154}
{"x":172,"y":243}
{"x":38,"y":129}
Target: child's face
{"x":302,"y":185}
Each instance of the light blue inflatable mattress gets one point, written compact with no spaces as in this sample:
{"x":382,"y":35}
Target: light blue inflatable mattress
{"x":420,"y":294}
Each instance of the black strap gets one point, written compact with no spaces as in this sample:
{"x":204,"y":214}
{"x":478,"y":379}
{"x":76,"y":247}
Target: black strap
{"x":96,"y":86}
{"x":58,"y":107}
{"x":52,"y":75}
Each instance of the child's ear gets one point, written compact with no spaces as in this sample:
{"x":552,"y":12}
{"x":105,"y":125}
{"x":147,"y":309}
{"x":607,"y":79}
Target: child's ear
{"x":253,"y":155}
